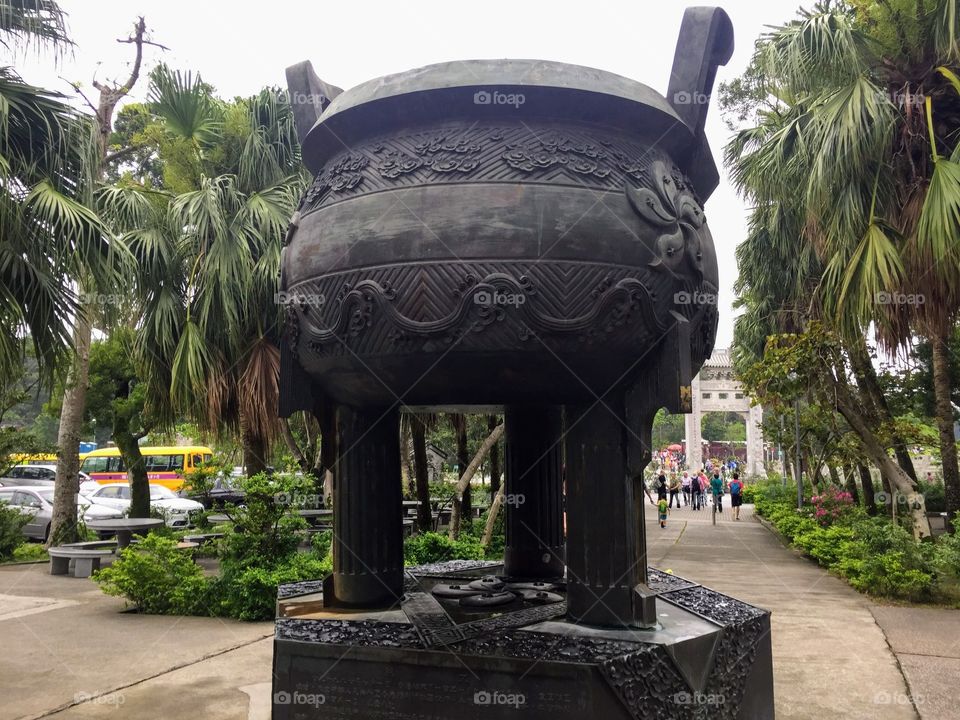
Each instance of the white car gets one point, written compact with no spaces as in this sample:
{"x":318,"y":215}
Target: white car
{"x":37,"y":503}
{"x":177,"y":511}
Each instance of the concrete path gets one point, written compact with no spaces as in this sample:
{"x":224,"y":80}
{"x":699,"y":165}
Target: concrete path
{"x":68,"y":651}
{"x":65,"y":646}
{"x":830,"y":658}
{"x":927,"y":644}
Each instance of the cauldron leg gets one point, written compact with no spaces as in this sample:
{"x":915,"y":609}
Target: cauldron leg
{"x":534,"y":492}
{"x":606,"y":542}
{"x":367,"y":520}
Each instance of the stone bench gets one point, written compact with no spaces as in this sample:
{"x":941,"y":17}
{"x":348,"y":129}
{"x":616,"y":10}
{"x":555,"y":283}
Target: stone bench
{"x":202,"y":538}
{"x":85,"y":560}
{"x":93,"y":545}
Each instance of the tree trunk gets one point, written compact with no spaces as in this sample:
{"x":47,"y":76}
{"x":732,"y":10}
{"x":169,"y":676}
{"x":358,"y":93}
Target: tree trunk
{"x":834,"y":477}
{"x":418,"y":436}
{"x":850,"y":483}
{"x":136,"y":466}
{"x":495,"y":505}
{"x":326,"y":414}
{"x":406,"y":463}
{"x":464,"y":482}
{"x":873,"y":396}
{"x":494,"y":460}
{"x":293,"y":447}
{"x":878,"y":454}
{"x":869,"y":495}
{"x":254,"y":450}
{"x":459,"y":423}
{"x":948,"y":444}
{"x":63,"y":526}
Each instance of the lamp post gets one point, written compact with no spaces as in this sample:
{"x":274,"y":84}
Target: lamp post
{"x":796,"y":421}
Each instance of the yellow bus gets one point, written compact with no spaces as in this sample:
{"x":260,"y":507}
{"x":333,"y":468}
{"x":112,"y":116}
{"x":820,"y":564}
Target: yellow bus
{"x":165,"y":465}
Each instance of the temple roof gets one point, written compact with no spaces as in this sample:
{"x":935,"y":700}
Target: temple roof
{"x":720,"y":358}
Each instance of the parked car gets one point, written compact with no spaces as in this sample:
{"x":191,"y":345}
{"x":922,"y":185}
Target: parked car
{"x":22,"y":475}
{"x":223,"y":491}
{"x":177,"y":511}
{"x":40,"y":474}
{"x":37,"y":502}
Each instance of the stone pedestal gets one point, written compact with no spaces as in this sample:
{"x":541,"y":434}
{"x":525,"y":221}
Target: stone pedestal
{"x":709,"y":656}
{"x":534,"y":492}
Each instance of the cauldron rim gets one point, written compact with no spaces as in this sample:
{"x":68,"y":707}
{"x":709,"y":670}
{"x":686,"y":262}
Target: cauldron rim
{"x":496,"y":73}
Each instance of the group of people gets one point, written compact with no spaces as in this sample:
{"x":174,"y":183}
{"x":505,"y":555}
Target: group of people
{"x":693,"y":490}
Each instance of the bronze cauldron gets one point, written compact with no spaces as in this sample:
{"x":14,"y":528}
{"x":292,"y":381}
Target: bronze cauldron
{"x":517,"y":233}
{"x":497,"y":231}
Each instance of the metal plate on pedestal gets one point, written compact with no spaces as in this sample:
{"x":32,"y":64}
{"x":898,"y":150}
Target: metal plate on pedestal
{"x":454,"y":591}
{"x":487,"y":599}
{"x":488,"y":583}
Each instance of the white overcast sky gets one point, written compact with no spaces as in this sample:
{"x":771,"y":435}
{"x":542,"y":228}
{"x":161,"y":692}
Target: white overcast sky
{"x":240,"y":47}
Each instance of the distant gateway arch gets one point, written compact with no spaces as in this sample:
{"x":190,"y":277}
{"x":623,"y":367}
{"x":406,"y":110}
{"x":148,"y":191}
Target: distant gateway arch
{"x":716,"y":389}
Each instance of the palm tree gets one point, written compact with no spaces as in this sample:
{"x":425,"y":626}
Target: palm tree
{"x":209,"y":247}
{"x":861,"y":151}
{"x":48,"y":164}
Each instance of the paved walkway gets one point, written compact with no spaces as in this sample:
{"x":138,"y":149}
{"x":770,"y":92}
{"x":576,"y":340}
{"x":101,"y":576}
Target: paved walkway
{"x":831,"y":657}
{"x":70,"y":652}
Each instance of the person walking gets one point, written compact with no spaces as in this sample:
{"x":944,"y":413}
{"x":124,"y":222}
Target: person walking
{"x":716,"y":489}
{"x":685,"y":487}
{"x":674,"y":488}
{"x":661,"y":486}
{"x":736,"y":495}
{"x":662,"y":511}
{"x":704,"y":484}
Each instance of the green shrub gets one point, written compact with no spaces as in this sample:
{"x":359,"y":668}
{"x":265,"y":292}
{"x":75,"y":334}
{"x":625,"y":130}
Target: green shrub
{"x":250,"y":592}
{"x":434,"y":547}
{"x":11,"y":530}
{"x":30,"y":552}
{"x":322,"y":542}
{"x":883,"y":559}
{"x":825,"y":544}
{"x":157,"y":578}
{"x":265,"y":529}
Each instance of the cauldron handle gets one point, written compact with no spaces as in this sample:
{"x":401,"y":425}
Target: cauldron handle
{"x":705,"y":42}
{"x":309,"y":96}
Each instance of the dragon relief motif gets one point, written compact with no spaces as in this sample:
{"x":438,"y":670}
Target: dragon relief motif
{"x":669,"y":205}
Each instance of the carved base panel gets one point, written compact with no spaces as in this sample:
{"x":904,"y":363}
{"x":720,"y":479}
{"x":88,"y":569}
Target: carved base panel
{"x":708,"y":657}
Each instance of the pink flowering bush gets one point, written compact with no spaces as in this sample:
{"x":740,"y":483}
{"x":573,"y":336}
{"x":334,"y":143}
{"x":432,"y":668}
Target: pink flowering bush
{"x":831,"y":505}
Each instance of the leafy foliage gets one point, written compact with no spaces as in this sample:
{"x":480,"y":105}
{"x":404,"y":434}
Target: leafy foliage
{"x":157,"y":578}
{"x":11,"y":530}
{"x":874,"y":555}
{"x":436,"y":547}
